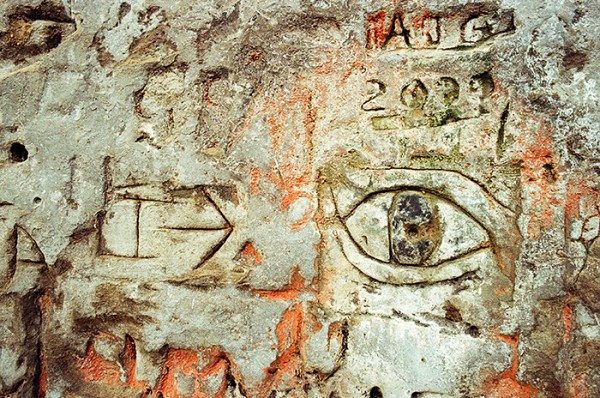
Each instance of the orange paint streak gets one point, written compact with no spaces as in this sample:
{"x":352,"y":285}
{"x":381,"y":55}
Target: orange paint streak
{"x":251,"y":255}
{"x":292,"y":173}
{"x":581,"y":201}
{"x":43,"y":377}
{"x":506,"y":385}
{"x":94,"y":367}
{"x":254,"y":181}
{"x":288,"y":363}
{"x":291,"y":291}
{"x":418,"y":22}
{"x":578,"y":388}
{"x":539,"y":173}
{"x":378,"y":29}
{"x":303,"y":220}
{"x":206,"y":94}
{"x":176,"y":361}
{"x":219,"y":364}
{"x":567,"y":316}
{"x":187,"y":363}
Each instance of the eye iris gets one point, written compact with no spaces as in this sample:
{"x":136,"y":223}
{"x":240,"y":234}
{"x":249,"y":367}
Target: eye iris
{"x":414,"y":228}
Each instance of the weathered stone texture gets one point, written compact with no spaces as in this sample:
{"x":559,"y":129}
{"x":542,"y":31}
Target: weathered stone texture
{"x":300,"y":198}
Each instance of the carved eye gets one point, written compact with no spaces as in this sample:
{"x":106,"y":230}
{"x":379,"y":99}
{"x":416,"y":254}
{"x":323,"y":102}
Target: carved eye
{"x":406,"y":226}
{"x":413,"y":228}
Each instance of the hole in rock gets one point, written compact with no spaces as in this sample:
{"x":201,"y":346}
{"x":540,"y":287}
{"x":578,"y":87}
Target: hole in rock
{"x":412,"y":231}
{"x":18,"y":152}
{"x":375,"y":393}
{"x":473,"y":331}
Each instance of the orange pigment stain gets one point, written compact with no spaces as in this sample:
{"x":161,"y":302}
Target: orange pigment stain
{"x":418,"y":22}
{"x":207,"y":99}
{"x":378,"y":29}
{"x":187,"y":363}
{"x":94,"y":367}
{"x":292,"y":332}
{"x":255,"y":176}
{"x":340,"y":63}
{"x":580,"y":197}
{"x":287,"y":366}
{"x":251,"y":255}
{"x":305,"y":219}
{"x":176,"y":361}
{"x":292,"y":173}
{"x":218,"y":365}
{"x":43,"y":377}
{"x":539,"y":172}
{"x":291,"y":115}
{"x":183,"y":362}
{"x":205,"y":93}
{"x":290,"y":292}
{"x":567,"y":316}
{"x":506,"y":385}
{"x":578,"y":387}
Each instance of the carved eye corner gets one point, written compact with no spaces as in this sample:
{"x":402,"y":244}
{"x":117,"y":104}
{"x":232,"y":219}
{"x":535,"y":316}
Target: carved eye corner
{"x":408,"y":236}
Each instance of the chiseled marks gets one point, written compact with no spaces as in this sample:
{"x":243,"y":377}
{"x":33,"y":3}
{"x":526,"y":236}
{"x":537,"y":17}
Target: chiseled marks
{"x":375,"y":343}
{"x":413,"y":228}
{"x":459,"y":226}
{"x":454,"y":27}
{"x":147,"y":223}
{"x":22,"y":284}
{"x":35,"y":30}
{"x":428,"y":100}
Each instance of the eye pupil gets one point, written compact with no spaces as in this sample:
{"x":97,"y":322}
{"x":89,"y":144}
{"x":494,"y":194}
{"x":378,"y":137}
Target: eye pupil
{"x":413,"y":208}
{"x":414,"y":228}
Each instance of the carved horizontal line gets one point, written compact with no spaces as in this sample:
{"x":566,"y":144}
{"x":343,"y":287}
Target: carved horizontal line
{"x":195,"y":229}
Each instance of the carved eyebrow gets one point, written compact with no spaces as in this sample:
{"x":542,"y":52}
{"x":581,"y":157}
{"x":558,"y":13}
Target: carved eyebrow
{"x":452,"y":185}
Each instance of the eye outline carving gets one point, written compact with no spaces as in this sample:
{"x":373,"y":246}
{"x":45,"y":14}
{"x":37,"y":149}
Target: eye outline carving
{"x":437,"y":199}
{"x":497,"y":220}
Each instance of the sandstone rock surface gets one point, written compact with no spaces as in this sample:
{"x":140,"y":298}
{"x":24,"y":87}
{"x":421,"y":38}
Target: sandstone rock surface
{"x":299,"y":198}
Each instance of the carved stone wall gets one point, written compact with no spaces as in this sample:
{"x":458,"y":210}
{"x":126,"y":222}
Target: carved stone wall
{"x":299,"y":198}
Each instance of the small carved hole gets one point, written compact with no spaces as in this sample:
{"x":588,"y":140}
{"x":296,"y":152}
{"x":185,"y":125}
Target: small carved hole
{"x":412,"y":231}
{"x":37,"y":200}
{"x":375,"y":393}
{"x":473,"y":331}
{"x":18,"y":152}
{"x":416,"y":394}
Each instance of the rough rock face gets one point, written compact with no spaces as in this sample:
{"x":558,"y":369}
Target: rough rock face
{"x":300,"y":198}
